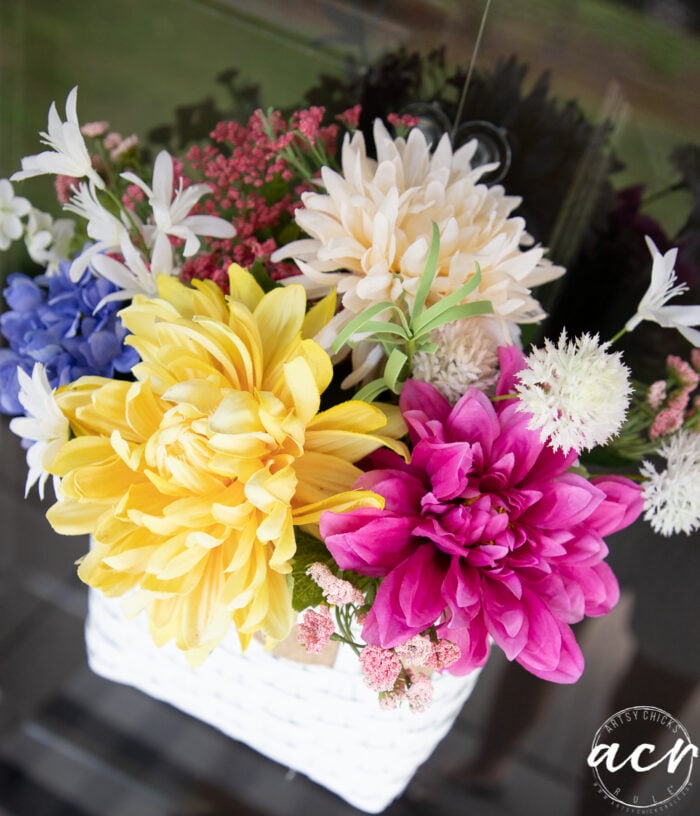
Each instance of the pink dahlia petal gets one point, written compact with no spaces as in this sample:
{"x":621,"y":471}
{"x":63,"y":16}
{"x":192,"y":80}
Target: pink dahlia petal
{"x":622,"y":505}
{"x":505,"y":618}
{"x":511,"y":361}
{"x":564,"y":504}
{"x":424,"y":409}
{"x":474,"y":418}
{"x":352,"y":539}
{"x":402,"y":491}
{"x":569,"y":660}
{"x":551,"y":464}
{"x":471,"y":636}
{"x":600,"y":588}
{"x":409,"y":600}
{"x":446,"y":465}
{"x":516,"y":444}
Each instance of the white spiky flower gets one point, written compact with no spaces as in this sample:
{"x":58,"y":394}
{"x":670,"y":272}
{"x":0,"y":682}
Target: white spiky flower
{"x":672,"y":496}
{"x":372,"y":227}
{"x":466,"y":356}
{"x":44,"y":426}
{"x":577,"y":392}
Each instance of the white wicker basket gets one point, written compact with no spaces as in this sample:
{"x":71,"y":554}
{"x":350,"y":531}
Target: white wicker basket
{"x":313,"y":719}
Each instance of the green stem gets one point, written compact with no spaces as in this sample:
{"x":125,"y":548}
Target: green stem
{"x":622,"y":332}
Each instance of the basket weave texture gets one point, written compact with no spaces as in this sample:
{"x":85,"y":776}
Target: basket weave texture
{"x":320,"y":721}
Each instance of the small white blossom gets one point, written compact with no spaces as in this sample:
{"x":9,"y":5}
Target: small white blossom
{"x":48,"y":241}
{"x":663,"y":288}
{"x":68,"y":155}
{"x":171,"y":214}
{"x":577,"y":392}
{"x":134,"y":276}
{"x":108,"y":232}
{"x":12,"y":209}
{"x":466,"y":356}
{"x":672,"y":497}
{"x":44,"y":425}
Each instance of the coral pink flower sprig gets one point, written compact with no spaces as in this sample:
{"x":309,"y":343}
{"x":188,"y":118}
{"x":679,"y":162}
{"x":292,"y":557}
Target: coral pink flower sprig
{"x":258,"y":172}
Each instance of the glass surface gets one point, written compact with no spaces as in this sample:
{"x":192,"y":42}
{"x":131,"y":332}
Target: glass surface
{"x":72,"y":743}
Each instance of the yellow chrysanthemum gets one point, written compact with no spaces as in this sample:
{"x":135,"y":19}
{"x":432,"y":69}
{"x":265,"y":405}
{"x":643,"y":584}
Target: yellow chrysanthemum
{"x":191,"y":478}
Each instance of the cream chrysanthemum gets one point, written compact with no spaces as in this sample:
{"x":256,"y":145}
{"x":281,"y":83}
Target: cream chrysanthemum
{"x":577,"y":392}
{"x":466,"y":356}
{"x":371,"y":231}
{"x":192,"y":478}
{"x":672,"y":497}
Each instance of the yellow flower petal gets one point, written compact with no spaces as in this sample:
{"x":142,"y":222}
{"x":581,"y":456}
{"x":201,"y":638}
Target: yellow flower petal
{"x":243,"y":287}
{"x":192,"y":478}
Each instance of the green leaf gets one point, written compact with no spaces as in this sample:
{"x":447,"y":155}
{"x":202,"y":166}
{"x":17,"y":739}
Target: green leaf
{"x":307,"y":593}
{"x":372,"y":390}
{"x":449,"y":300}
{"x":356,"y":325}
{"x":264,"y":281}
{"x":457,"y":313}
{"x":393,"y":368}
{"x":384,"y":327}
{"x":428,"y":276}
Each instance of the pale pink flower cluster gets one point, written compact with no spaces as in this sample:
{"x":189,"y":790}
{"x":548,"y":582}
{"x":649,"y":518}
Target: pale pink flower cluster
{"x":93,"y":130}
{"x":396,"y":673}
{"x":416,"y":651}
{"x":419,"y":693}
{"x":671,"y":397}
{"x":335,"y":590}
{"x":444,"y":654}
{"x":124,"y":147}
{"x":315,"y":629}
{"x":421,"y":651}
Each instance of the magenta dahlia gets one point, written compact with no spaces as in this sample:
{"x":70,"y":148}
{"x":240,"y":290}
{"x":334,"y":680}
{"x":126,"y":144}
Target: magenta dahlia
{"x":485,"y":533}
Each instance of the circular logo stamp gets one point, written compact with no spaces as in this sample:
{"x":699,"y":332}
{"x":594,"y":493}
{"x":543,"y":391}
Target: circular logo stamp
{"x":642,"y":760}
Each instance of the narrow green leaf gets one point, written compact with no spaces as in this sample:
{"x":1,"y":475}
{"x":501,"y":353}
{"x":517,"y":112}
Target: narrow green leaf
{"x":457,"y":313}
{"x":384,"y":327}
{"x":371,"y":391}
{"x":393,"y":368}
{"x":355,"y":326}
{"x":428,"y":276}
{"x":449,"y":300}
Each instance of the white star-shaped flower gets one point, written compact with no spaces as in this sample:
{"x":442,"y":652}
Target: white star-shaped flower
{"x":12,"y":208}
{"x":663,"y":288}
{"x":171,"y":212}
{"x":44,"y":425}
{"x":68,"y":155}
{"x":134,"y":276}
{"x":108,"y":232}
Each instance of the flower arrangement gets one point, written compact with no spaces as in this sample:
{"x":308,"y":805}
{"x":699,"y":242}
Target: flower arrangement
{"x":282,"y":376}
